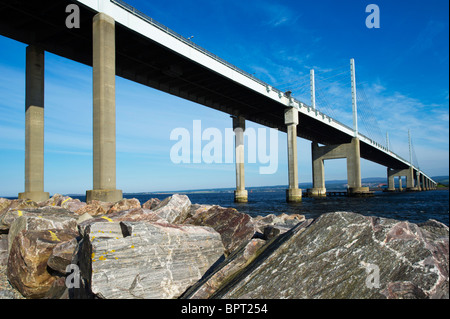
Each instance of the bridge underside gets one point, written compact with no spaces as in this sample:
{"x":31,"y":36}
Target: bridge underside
{"x":139,"y":59}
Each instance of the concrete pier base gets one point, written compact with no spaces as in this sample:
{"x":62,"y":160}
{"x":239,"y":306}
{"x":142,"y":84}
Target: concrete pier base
{"x":104,"y":195}
{"x":35,"y":196}
{"x":317,"y":192}
{"x":359,"y":192}
{"x":241,"y":196}
{"x":294,"y":195}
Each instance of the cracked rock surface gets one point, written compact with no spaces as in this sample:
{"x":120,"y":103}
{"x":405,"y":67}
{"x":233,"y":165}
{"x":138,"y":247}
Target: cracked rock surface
{"x":347,"y":255}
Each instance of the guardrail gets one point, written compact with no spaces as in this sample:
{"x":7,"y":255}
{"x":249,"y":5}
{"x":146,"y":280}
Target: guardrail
{"x":183,"y":39}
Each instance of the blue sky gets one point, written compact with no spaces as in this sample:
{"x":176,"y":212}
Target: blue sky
{"x":402,"y":68}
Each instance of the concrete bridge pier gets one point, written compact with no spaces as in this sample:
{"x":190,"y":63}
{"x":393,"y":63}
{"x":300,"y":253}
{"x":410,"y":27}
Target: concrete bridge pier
{"x":354,"y":170}
{"x":410,"y":180}
{"x":400,"y":184}
{"x":318,"y":173}
{"x":240,"y":194}
{"x":391,"y":181}
{"x":409,"y":173}
{"x":34,"y":126}
{"x":293,"y":194}
{"x":104,"y":111}
{"x":351,"y":152}
{"x":418,"y":188}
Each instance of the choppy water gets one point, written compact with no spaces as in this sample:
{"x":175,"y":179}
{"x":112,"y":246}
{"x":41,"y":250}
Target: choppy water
{"x":414,"y":207}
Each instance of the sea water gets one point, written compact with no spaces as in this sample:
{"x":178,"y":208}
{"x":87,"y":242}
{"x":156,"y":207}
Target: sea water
{"x":416,"y":207}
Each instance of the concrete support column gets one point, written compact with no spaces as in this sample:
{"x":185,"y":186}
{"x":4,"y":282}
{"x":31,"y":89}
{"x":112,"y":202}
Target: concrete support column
{"x":354,"y":170}
{"x":104,"y":72}
{"x":318,"y":173}
{"x":418,"y":181}
{"x":391,"y":181}
{"x":293,"y":194}
{"x":424,"y":186}
{"x":240,"y":194}
{"x":410,"y":180}
{"x":34,"y":126}
{"x":400,"y":184}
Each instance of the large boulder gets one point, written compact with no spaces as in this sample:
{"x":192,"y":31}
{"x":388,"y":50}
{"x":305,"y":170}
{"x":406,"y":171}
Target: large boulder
{"x":95,"y":208}
{"x":15,"y":206}
{"x":174,"y":209}
{"x":136,"y":215}
{"x":129,"y":260}
{"x":66,"y":202}
{"x":346,"y":255}
{"x":272,"y":225}
{"x":3,"y":250}
{"x":27,"y":264}
{"x":151,"y":203}
{"x":63,"y":255}
{"x":234,"y":227}
{"x":132,"y":215}
{"x":39,"y":219}
{"x":124,"y":204}
{"x":4,"y":204}
{"x":234,"y":263}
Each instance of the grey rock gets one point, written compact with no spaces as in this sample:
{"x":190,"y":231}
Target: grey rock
{"x":234,"y":263}
{"x":174,"y":209}
{"x":134,"y":260}
{"x":124,"y":204}
{"x":94,"y":208}
{"x":151,"y":203}
{"x":349,"y":256}
{"x":62,"y":255}
{"x":271,"y":225}
{"x":235,"y":228}
{"x":136,"y":215}
{"x":3,"y":250}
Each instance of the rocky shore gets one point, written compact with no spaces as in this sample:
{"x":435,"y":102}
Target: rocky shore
{"x":66,"y":249}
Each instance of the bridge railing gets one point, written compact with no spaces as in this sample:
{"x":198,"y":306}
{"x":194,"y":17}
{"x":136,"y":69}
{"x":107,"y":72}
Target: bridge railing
{"x":178,"y":36}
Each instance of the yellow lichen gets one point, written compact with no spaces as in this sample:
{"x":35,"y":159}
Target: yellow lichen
{"x":54,"y":237}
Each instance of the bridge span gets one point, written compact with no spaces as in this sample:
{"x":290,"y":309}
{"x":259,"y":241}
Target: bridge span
{"x":116,"y":39}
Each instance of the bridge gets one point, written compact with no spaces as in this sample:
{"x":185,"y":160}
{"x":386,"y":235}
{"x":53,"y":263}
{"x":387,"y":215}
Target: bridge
{"x":116,"y":39}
